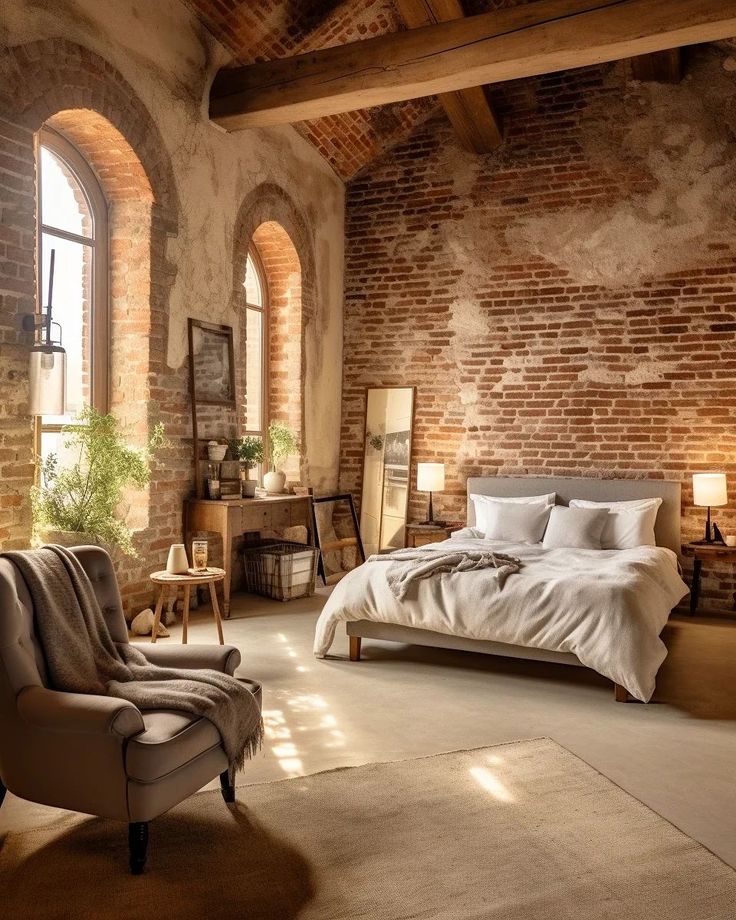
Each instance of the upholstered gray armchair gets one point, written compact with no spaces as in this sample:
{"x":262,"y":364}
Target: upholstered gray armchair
{"x":97,"y":754}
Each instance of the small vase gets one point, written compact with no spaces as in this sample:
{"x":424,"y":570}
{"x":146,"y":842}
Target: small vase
{"x":249,"y":488}
{"x":177,"y":563}
{"x":274,"y":482}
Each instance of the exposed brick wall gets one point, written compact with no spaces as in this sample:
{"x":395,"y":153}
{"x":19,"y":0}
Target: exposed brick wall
{"x":566,"y":306}
{"x":17,"y":297}
{"x":80,"y":95}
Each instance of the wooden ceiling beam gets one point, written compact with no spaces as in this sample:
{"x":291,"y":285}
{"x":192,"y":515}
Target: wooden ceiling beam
{"x":542,"y":37}
{"x":469,"y":110}
{"x":661,"y":67}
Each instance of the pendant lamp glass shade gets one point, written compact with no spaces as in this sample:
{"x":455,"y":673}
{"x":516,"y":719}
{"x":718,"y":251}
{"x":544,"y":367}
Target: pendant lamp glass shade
{"x":47,"y":373}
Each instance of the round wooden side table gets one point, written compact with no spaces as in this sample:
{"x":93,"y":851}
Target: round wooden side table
{"x":167,"y":582}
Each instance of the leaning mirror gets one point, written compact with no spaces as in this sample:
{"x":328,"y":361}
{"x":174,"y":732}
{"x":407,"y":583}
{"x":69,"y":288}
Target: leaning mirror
{"x":386,"y":464}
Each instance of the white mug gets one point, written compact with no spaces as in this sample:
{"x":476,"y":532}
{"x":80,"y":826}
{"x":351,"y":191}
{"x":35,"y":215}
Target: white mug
{"x":731,"y":540}
{"x":177,"y":563}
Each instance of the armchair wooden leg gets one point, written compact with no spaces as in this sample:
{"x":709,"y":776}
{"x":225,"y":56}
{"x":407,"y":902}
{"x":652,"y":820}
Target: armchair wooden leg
{"x":227,"y":784}
{"x":138,"y":846}
{"x":355,"y":648}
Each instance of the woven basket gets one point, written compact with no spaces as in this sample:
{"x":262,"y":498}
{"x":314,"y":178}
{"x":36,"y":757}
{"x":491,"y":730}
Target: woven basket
{"x":280,"y":569}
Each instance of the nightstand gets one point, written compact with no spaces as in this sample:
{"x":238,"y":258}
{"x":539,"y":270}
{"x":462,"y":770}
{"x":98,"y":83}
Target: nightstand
{"x":701,"y":552}
{"x":421,"y":534}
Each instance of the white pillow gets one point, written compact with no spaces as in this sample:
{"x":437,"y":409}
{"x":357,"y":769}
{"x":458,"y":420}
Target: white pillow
{"x":515,"y":522}
{"x":480,"y":503}
{"x":629,"y":524}
{"x":575,"y":528}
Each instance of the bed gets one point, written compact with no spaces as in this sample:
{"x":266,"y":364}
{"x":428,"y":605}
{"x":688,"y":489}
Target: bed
{"x":602,"y":609}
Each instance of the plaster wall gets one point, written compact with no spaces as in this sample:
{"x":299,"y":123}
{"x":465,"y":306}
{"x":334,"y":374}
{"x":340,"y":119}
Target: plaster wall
{"x":170,"y":59}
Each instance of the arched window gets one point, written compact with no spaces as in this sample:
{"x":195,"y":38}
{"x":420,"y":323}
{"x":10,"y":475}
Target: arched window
{"x":256,"y":348}
{"x":273,"y":294}
{"x":73,"y":222}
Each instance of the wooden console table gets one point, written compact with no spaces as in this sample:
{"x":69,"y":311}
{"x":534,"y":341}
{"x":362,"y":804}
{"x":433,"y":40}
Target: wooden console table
{"x":232,"y":517}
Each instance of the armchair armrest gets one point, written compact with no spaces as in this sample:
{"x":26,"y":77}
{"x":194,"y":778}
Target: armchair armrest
{"x":224,"y":658}
{"x":53,"y":710}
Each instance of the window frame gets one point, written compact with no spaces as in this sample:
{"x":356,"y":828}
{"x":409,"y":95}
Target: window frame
{"x":263,"y":309}
{"x":99,"y":244}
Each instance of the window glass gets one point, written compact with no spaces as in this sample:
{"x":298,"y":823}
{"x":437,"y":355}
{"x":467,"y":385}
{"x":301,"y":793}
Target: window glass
{"x":71,"y":309}
{"x":254,"y":371}
{"x":63,"y":202}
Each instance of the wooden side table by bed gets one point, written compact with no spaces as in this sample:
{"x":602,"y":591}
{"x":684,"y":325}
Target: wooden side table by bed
{"x":168,"y":583}
{"x":420,"y":534}
{"x":232,"y":517}
{"x":702,"y":552}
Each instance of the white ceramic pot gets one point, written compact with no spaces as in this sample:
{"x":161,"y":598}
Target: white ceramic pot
{"x":177,"y":563}
{"x":274,"y":482}
{"x":216,"y":452}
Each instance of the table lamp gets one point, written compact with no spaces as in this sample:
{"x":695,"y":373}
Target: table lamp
{"x":709,"y":491}
{"x":430,"y":478}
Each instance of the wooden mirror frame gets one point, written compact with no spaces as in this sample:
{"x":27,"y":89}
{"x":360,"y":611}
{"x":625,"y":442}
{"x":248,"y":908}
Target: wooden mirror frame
{"x":412,"y":419}
{"x":227,"y":333}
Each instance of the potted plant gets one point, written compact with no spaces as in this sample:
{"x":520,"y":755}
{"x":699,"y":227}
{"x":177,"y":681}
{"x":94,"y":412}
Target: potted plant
{"x":79,"y":503}
{"x":249,"y":451}
{"x":283,"y":443}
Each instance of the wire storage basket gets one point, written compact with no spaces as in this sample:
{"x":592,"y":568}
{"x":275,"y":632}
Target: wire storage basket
{"x":280,"y":569}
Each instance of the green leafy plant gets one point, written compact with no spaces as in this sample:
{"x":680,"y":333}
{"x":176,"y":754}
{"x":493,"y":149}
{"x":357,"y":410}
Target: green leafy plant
{"x":249,"y":450}
{"x":84,"y":497}
{"x":283,"y":443}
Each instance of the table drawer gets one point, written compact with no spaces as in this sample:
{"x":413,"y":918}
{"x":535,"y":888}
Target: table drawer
{"x":280,"y":515}
{"x":255,"y":518}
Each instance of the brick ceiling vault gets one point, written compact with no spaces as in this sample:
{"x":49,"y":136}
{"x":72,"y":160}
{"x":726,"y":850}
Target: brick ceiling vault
{"x":272,"y":29}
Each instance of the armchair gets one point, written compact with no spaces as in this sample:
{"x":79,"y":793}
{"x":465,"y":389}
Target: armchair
{"x":97,"y":754}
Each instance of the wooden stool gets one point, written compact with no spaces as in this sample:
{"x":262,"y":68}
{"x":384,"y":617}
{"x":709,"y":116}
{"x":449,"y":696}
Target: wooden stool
{"x":167,"y":581}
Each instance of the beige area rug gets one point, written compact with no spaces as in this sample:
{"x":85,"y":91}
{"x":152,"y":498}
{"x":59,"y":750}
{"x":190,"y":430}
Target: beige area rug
{"x":523,"y":830}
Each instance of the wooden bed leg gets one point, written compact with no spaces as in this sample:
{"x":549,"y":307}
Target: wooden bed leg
{"x":355,"y":648}
{"x":621,"y":694}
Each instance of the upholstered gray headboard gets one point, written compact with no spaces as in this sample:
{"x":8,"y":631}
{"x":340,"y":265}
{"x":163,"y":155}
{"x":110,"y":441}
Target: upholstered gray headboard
{"x":667,"y":528}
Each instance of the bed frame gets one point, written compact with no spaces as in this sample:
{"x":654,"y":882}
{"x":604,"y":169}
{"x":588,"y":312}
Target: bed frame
{"x":667,"y":532}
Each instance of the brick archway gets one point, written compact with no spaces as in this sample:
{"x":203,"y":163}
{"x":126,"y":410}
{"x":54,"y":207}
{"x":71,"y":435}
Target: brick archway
{"x":270,"y":220}
{"x":69,"y":88}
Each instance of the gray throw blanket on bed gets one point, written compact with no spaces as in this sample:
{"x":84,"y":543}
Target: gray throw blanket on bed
{"x":82,"y":657}
{"x":411,"y":565}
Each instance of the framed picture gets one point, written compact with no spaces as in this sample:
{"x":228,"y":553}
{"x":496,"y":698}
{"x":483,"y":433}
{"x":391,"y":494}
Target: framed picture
{"x":211,"y":364}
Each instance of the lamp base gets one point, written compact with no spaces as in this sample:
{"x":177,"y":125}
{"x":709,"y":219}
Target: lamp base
{"x":433,"y":523}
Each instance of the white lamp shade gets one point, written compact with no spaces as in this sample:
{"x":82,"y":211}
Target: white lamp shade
{"x":709,"y":489}
{"x":47,"y":378}
{"x":430,"y":477}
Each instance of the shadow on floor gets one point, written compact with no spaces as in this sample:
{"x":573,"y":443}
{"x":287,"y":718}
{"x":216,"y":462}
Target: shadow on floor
{"x":212,"y":862}
{"x":697,"y":676}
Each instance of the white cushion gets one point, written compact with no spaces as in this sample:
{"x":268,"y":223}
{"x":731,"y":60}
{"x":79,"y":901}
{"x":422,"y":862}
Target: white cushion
{"x":480,"y":504}
{"x":575,"y":528}
{"x":629,"y":524}
{"x":516,"y":523}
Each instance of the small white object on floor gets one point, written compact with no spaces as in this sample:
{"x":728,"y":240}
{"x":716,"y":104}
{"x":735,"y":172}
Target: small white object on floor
{"x":142,"y":625}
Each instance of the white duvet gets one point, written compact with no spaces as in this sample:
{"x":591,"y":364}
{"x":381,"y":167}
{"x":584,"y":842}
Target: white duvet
{"x":608,"y":607}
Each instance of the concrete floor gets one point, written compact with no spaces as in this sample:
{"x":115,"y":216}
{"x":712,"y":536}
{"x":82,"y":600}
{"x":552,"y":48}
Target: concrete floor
{"x":677,"y":754}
